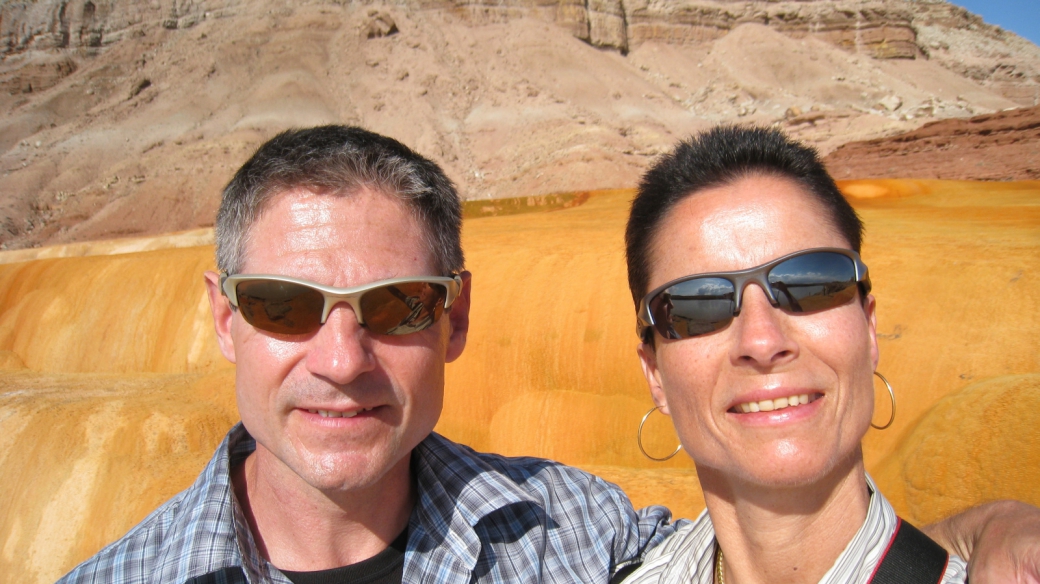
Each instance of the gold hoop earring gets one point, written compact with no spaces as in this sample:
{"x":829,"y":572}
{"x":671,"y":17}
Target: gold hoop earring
{"x":639,"y":439}
{"x":892,"y":395}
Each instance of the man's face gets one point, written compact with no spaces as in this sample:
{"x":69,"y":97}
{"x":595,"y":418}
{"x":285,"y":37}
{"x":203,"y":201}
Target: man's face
{"x":340,"y":407}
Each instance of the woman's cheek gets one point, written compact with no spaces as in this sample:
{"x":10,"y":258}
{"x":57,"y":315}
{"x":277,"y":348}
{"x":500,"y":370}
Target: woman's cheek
{"x":687,"y":382}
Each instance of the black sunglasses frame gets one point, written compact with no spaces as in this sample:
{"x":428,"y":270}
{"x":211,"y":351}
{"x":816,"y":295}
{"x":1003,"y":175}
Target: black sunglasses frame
{"x":740,"y":279}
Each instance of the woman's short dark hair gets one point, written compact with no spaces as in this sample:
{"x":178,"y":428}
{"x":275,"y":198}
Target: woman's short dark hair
{"x":720,"y":157}
{"x":338,"y":160}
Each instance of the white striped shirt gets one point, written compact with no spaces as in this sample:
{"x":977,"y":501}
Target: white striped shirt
{"x":688,"y":556}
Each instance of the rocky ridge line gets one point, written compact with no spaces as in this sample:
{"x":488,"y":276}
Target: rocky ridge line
{"x":882,"y":29}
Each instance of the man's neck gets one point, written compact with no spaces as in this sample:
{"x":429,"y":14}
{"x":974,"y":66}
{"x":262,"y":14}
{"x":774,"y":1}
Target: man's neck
{"x":788,"y":535}
{"x":300,"y":528}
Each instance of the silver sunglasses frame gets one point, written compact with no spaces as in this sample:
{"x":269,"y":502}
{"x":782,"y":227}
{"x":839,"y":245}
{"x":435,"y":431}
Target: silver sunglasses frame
{"x":333,"y":295}
{"x":740,"y":280}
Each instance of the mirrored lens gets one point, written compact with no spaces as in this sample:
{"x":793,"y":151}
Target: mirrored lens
{"x":400,"y":309}
{"x":280,"y":307}
{"x":815,"y":281}
{"x":694,"y":307}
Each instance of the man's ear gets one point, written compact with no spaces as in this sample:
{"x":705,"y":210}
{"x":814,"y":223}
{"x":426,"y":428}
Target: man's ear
{"x":648,"y":359}
{"x":220,"y":307}
{"x":458,"y":317}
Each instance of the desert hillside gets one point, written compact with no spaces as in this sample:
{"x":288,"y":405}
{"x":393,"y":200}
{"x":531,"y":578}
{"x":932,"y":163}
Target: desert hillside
{"x":122,"y":118}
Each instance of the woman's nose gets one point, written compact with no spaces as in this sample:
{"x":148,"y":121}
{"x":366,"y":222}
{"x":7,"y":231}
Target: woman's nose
{"x":761,"y":332}
{"x":340,"y":350}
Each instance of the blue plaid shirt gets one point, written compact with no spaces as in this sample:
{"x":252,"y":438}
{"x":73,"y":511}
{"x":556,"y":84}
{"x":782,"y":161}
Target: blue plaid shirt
{"x":479,"y":518}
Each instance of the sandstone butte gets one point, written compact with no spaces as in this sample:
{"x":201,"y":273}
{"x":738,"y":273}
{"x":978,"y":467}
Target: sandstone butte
{"x":113,"y":394}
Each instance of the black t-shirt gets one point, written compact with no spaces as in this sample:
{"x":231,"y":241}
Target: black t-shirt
{"x":386,"y":567}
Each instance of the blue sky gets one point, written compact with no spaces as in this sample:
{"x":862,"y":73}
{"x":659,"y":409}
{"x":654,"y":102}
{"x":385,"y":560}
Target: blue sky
{"x":1019,"y":16}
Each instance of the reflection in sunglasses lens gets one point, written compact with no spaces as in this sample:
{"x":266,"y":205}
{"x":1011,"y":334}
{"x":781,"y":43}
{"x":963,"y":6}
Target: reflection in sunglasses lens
{"x":280,"y":307}
{"x":694,"y":307}
{"x":400,"y":309}
{"x":294,"y":309}
{"x":814,"y":282}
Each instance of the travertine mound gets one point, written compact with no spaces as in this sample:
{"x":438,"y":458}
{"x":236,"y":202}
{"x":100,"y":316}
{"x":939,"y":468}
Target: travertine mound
{"x":122,"y":118}
{"x":1000,"y":146}
{"x":113,"y":393}
{"x":996,"y":456}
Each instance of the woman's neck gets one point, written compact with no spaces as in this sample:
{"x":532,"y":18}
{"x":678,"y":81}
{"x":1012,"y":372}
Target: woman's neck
{"x":789,"y":534}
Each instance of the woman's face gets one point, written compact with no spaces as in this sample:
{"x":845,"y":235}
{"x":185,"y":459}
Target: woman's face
{"x":765,"y":353}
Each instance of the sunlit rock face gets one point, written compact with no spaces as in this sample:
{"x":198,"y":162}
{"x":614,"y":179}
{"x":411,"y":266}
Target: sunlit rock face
{"x":82,"y":84}
{"x":113,"y":394}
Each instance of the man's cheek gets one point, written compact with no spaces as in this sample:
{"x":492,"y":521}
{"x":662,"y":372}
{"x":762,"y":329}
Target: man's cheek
{"x":282,"y":350}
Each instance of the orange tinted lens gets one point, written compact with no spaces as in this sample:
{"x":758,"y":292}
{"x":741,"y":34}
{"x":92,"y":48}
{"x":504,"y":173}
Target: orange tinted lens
{"x":399,"y":309}
{"x":280,"y":307}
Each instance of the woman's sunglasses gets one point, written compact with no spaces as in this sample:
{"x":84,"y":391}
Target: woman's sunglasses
{"x":279,"y":304}
{"x":804,"y":281}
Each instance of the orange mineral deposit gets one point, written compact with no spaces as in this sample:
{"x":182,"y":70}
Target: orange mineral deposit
{"x":113,"y":394}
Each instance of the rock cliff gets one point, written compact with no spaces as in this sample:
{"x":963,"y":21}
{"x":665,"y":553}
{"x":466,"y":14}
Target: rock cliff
{"x":122,"y":118}
{"x":880,"y":28}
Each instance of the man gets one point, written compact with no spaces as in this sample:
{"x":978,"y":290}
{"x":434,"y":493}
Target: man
{"x":334,"y":473}
{"x":340,"y":298}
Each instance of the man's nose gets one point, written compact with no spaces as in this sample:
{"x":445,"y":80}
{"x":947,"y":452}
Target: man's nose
{"x":341,"y":349}
{"x":761,"y":334}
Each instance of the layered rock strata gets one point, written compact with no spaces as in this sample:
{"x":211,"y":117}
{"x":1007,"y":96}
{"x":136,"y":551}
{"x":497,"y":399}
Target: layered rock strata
{"x":880,"y":28}
{"x":999,"y":146}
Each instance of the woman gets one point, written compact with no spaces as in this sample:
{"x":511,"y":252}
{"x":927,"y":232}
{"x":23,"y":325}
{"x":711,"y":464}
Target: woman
{"x":759,"y":341}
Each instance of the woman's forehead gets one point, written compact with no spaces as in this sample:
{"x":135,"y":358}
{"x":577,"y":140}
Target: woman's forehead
{"x":738,"y":226}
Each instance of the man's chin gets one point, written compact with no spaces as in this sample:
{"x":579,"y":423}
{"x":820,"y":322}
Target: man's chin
{"x":337,"y":465}
{"x":341,"y":472}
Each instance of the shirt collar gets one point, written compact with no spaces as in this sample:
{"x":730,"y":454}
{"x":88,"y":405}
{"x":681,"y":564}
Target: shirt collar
{"x":209,"y":533}
{"x":694,"y":551}
{"x":457,"y":488}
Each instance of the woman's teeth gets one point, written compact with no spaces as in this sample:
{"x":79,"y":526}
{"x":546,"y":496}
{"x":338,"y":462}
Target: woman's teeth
{"x":770,"y":405}
{"x":332,"y":414}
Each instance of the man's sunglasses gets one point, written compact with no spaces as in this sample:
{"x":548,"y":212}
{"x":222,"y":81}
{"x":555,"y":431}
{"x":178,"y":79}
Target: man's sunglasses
{"x":279,"y":304}
{"x":804,"y":281}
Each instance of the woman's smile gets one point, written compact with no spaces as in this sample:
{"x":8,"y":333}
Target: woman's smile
{"x":781,"y":412}
{"x":780,"y":403}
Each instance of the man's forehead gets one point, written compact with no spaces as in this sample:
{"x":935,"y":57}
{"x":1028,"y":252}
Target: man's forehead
{"x":312,"y":210}
{"x":302,"y":227}
{"x":304,"y":208}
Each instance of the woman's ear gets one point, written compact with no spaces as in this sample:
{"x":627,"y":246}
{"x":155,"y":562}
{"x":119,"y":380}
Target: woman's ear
{"x":648,"y":360}
{"x":870,"y":308}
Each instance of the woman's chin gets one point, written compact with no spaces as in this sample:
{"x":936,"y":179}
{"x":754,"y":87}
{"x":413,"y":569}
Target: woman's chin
{"x":785,"y":466}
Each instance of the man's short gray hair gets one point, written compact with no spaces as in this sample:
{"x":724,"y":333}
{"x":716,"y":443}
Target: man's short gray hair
{"x":338,"y":160}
